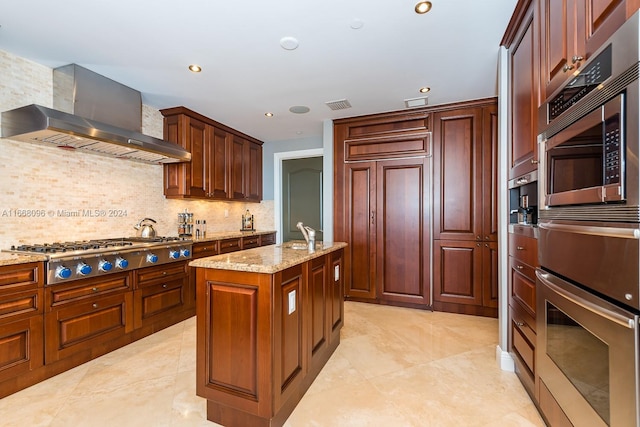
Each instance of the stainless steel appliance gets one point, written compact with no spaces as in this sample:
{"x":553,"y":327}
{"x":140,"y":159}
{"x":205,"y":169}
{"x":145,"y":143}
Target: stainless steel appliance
{"x":70,"y":261}
{"x":589,"y":136}
{"x":588,"y":285}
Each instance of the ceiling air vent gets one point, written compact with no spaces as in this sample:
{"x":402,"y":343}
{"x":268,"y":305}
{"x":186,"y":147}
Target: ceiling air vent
{"x":340,"y":104}
{"x":416,"y":102}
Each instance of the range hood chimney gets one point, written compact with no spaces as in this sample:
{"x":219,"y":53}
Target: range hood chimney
{"x":94,"y":113}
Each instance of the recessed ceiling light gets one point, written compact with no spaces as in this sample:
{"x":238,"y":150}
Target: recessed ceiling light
{"x":268,"y":114}
{"x":423,"y":7}
{"x":289,"y":43}
{"x":195,"y":68}
{"x":356,"y":24}
{"x":299,"y":109}
{"x":424,"y":89}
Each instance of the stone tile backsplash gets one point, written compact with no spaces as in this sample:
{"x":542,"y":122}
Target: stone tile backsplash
{"x":49,"y":194}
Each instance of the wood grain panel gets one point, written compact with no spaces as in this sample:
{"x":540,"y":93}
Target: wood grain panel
{"x":401,"y":228}
{"x":361,"y":213}
{"x":457,"y":272}
{"x":319,"y":298}
{"x":20,"y":277}
{"x":523,"y":288}
{"x":21,"y":347}
{"x":390,"y":147}
{"x":21,"y":304}
{"x":233,"y":335}
{"x":292,"y":330}
{"x":219,"y":178}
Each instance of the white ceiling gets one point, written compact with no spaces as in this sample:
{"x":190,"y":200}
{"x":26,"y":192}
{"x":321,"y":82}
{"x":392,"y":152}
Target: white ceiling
{"x":148,"y":44}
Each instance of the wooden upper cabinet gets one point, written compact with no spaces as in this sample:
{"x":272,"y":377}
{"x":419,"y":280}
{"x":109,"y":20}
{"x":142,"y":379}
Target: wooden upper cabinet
{"x":458,"y":174}
{"x":563,"y":49}
{"x":599,"y":19}
{"x":246,"y":170}
{"x":225,"y":164}
{"x":521,"y":40}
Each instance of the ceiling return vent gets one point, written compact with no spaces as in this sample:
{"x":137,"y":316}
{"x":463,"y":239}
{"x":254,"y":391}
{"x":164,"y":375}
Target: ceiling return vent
{"x":340,"y":104}
{"x":91,"y":113}
{"x":416,"y":102}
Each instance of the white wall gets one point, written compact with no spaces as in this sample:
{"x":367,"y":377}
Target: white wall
{"x":39,"y":179}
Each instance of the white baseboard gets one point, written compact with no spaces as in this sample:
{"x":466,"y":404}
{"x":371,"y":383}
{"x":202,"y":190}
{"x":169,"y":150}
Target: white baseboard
{"x":504,"y":359}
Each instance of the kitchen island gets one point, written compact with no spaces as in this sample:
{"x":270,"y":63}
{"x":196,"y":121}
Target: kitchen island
{"x":268,"y":319}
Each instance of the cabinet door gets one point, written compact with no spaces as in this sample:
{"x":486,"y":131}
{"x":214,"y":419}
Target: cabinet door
{"x":457,"y":272}
{"x":402,"y":231}
{"x":523,"y":63}
{"x":559,"y":38}
{"x":490,"y":274}
{"x":219,"y":184}
{"x":253,"y":172}
{"x":601,"y":19}
{"x":317,"y":293}
{"x":360,"y":229}
{"x":198,"y":179}
{"x":238,"y":146}
{"x":458,"y":174}
{"x":490,"y":174}
{"x":21,"y":346}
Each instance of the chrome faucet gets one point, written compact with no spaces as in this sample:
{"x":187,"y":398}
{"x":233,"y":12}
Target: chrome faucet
{"x":309,"y":236}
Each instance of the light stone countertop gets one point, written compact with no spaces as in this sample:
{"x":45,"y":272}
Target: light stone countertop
{"x":220,"y":235}
{"x":14,"y":259}
{"x":267,"y":259}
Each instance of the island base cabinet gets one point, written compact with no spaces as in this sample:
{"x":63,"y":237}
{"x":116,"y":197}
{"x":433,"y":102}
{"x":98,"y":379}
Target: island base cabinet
{"x":263,"y":338}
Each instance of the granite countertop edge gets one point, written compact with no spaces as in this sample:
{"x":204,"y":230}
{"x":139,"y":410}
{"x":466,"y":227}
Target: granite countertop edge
{"x":266,"y":259}
{"x":220,"y":235}
{"x":15,"y":259}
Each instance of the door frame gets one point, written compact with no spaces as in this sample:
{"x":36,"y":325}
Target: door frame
{"x":277,"y":184}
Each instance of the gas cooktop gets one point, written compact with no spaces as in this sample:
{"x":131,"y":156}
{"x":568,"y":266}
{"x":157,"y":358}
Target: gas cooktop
{"x":90,"y":258}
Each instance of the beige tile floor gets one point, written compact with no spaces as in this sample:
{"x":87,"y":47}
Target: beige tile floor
{"x":394,"y":367}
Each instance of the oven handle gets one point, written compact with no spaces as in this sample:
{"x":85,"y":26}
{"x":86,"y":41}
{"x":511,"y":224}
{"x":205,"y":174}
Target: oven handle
{"x":622,"y":233}
{"x":548,"y":280}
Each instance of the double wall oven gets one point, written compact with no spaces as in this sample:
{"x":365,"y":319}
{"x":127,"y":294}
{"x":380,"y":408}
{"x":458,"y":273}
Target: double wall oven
{"x":588,"y":286}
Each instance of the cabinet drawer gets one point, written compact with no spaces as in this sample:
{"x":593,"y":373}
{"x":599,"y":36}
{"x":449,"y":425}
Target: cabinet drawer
{"x":523,"y":287}
{"x":205,"y":249}
{"x":20,"y":304}
{"x":523,"y":347}
{"x":152,"y":275}
{"x":229,"y":245}
{"x":20,"y":277}
{"x":268,"y":239}
{"x":250,"y":242}
{"x":158,"y":300}
{"x":524,"y":249}
{"x":88,"y":323}
{"x":60,"y":294}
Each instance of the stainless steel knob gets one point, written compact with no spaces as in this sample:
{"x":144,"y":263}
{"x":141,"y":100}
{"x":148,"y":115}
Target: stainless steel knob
{"x":567,"y":67}
{"x":576,"y":58}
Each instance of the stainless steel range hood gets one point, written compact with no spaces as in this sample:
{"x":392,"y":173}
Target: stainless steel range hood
{"x":94,"y":113}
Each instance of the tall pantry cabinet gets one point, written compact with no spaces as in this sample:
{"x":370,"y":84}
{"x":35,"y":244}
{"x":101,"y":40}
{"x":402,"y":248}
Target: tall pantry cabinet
{"x":465,"y":232}
{"x":390,"y":173}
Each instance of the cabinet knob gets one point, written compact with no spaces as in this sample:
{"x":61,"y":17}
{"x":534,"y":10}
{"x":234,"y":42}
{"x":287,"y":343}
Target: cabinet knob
{"x":520,"y":248}
{"x":478,"y":238}
{"x":519,"y":267}
{"x":94,"y":289}
{"x":567,"y":67}
{"x":486,"y":237}
{"x":95,"y":305}
{"x":164,"y":285}
{"x":534,"y":162}
{"x":486,"y":245}
{"x":576,"y":58}
{"x":478,"y":244}
{"x":164,"y":273}
{"x":519,"y":324}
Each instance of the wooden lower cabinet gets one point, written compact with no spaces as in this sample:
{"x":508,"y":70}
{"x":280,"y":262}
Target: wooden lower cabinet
{"x":522,"y":308}
{"x":465,"y":277}
{"x":87,"y":316}
{"x":21,"y":323}
{"x":162,"y":295}
{"x":263,"y":338}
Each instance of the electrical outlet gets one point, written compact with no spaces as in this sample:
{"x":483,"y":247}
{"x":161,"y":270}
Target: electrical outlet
{"x":292,"y":301}
{"x":336,"y":273}
{"x":226,"y":213}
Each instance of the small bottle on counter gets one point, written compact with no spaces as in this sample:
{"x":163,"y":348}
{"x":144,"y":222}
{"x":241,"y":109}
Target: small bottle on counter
{"x":203,"y":228}
{"x":198,"y":229}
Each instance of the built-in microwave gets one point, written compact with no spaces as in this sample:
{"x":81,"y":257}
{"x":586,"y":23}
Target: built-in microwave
{"x":589,"y":137}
